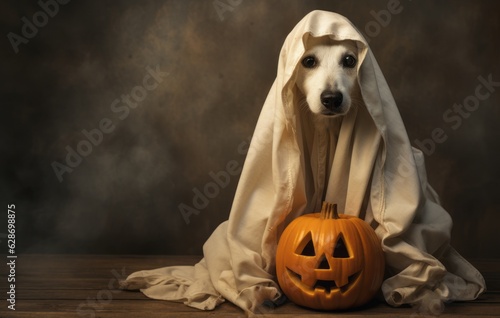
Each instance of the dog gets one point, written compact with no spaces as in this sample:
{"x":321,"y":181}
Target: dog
{"x":327,"y":77}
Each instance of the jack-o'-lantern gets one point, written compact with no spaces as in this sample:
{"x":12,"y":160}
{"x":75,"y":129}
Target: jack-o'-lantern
{"x":329,"y":261}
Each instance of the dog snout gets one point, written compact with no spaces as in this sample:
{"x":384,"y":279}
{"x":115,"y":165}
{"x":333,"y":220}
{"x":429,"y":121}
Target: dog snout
{"x":332,"y":100}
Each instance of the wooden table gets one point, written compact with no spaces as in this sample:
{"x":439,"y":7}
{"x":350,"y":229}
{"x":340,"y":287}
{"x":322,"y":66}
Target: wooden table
{"x":86,"y":286}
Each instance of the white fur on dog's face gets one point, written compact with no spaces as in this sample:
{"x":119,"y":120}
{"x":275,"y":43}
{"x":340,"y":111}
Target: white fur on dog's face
{"x":326,"y":73}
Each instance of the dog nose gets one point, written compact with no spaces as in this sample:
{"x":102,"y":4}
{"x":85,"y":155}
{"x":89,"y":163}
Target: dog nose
{"x":331,"y":100}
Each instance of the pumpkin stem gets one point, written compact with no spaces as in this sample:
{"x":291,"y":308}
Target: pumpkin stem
{"x":329,"y":211}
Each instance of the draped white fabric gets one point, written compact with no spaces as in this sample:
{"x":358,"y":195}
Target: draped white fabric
{"x":363,"y":162}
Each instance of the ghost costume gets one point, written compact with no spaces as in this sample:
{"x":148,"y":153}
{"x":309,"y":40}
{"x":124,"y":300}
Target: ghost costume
{"x":363,"y":162}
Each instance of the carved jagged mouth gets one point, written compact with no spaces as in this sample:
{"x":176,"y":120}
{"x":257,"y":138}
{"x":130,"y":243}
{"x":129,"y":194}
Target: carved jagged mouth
{"x":323,"y":285}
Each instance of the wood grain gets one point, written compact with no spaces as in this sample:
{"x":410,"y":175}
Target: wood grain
{"x":85,"y":286}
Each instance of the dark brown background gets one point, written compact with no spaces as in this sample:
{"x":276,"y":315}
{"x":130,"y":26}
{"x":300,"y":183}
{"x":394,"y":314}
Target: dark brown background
{"x":125,"y":195}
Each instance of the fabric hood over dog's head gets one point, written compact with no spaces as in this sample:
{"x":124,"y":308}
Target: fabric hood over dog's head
{"x":363,"y":162}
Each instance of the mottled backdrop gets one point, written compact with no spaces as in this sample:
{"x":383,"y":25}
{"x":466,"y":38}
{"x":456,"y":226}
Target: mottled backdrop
{"x":116,"y":115}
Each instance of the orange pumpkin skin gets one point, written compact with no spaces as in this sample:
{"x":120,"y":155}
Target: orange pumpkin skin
{"x":329,"y":264}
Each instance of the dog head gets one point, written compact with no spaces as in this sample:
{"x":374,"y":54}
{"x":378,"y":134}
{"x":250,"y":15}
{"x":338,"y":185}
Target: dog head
{"x":327,"y":76}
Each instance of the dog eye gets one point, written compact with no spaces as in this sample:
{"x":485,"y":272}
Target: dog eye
{"x":349,"y":61}
{"x":309,"y":62}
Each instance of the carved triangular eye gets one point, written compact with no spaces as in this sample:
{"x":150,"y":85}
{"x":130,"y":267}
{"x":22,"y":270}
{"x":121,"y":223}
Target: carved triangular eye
{"x":306,"y":246}
{"x":340,"y":249}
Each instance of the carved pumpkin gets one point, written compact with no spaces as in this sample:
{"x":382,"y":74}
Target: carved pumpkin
{"x":329,"y":261}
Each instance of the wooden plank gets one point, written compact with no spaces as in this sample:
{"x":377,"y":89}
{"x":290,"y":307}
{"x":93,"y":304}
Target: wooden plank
{"x":77,"y":286}
{"x":49,"y":283}
{"x":94,"y":266}
{"x":91,"y":307}
{"x":76,"y":294}
{"x":122,"y":308}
